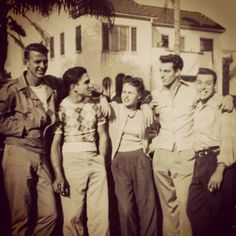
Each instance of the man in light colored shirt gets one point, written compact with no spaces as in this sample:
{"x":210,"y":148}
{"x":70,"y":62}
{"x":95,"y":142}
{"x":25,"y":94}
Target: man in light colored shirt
{"x":78,"y":163}
{"x":173,"y":159}
{"x":211,"y":193}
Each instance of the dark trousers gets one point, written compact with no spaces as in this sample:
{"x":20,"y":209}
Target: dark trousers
{"x":211,"y":213}
{"x":134,"y":188}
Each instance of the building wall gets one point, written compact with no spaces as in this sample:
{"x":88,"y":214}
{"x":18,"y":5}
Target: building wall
{"x":143,"y":62}
{"x":193,"y":58}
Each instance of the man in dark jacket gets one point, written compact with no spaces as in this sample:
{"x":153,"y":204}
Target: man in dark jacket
{"x":27,"y":113}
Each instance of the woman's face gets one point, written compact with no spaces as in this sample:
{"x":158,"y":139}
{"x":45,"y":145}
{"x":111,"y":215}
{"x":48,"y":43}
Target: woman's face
{"x":129,"y":96}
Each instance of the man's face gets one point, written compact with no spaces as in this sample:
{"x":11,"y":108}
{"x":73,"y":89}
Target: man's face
{"x":84,"y":86}
{"x":168,"y":74}
{"x":205,"y":86}
{"x":37,"y":64}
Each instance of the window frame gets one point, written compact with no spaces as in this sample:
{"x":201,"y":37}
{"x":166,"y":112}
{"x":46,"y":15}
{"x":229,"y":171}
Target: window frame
{"x":108,"y":39}
{"x":207,"y":48}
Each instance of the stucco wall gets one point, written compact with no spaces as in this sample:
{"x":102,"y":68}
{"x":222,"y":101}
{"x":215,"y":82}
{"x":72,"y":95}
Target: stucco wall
{"x":142,"y":63}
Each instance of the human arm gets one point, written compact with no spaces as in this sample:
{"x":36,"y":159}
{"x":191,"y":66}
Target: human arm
{"x":148,"y":107}
{"x":227,"y":156}
{"x":105,"y":107}
{"x":103,"y":139}
{"x":228,"y":139}
{"x":19,"y":116}
{"x":60,"y":183}
{"x":11,"y":119}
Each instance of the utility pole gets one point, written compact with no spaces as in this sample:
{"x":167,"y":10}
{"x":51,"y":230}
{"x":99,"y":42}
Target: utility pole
{"x":176,"y":6}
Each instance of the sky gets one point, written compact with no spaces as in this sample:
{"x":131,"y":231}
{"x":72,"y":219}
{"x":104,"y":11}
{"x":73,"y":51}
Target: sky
{"x":221,"y":11}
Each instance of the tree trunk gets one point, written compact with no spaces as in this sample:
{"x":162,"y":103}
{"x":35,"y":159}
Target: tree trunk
{"x":177,"y":25}
{"x":3,"y":40}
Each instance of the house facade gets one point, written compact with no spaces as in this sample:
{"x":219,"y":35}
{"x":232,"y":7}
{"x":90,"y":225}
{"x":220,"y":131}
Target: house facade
{"x":133,"y":45}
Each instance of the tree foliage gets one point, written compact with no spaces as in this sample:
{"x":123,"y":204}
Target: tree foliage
{"x":45,"y":8}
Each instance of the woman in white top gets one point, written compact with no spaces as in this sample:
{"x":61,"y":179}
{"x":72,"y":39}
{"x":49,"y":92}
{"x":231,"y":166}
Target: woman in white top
{"x":131,"y":168}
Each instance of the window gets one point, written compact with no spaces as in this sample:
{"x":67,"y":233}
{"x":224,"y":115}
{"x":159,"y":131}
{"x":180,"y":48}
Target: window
{"x":62,"y":43}
{"x":164,"y":41}
{"x":134,"y":39}
{"x":206,"y":45}
{"x":182,"y":43}
{"x":78,"y":46}
{"x":51,"y":48}
{"x":119,"y":38}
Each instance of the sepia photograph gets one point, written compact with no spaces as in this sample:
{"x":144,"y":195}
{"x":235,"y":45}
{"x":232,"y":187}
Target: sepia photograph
{"x":117,"y":118}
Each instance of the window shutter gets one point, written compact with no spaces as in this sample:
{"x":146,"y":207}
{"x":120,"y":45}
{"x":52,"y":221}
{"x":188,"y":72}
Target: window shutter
{"x":78,"y":38}
{"x":62,"y":43}
{"x":133,"y":39}
{"x":105,"y":37}
{"x":52,"y":53}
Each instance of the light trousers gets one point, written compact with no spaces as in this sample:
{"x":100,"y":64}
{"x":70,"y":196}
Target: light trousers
{"x":86,"y":175}
{"x":29,"y":191}
{"x":173,"y":173}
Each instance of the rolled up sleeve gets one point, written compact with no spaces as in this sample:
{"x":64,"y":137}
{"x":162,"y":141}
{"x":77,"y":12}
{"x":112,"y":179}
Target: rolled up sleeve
{"x":228,"y":139}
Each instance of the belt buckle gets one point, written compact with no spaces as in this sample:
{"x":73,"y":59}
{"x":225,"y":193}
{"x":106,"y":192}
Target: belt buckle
{"x":203,"y":153}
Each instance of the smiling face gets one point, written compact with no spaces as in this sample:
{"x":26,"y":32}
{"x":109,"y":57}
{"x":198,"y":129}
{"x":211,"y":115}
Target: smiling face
{"x":130,"y":96}
{"x":168,"y":74}
{"x":37,"y":64}
{"x":205,"y":86}
{"x":84,"y":86}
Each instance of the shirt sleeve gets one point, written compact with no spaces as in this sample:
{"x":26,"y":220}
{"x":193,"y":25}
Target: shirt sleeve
{"x":228,"y":139}
{"x":12,"y":123}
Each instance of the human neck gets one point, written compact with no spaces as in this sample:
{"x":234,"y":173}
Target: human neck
{"x":174,"y":86}
{"x":75,"y":98}
{"x":32,"y":80}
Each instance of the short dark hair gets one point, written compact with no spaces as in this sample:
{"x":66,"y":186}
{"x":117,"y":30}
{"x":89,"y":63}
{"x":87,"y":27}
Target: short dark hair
{"x":135,"y":82}
{"x":207,"y":71}
{"x":177,"y":61}
{"x":38,"y":47}
{"x":73,"y":76}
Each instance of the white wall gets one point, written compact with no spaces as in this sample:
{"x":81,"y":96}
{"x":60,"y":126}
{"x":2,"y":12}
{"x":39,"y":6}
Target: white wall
{"x":142,"y":63}
{"x":193,"y":58}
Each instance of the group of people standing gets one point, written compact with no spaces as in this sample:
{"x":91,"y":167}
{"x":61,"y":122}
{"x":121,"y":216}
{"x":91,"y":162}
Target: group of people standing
{"x":64,"y":146}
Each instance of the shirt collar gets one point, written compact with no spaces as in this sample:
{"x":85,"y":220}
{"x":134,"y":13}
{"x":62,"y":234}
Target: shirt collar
{"x":23,"y":82}
{"x":213,"y":102}
{"x":181,"y":82}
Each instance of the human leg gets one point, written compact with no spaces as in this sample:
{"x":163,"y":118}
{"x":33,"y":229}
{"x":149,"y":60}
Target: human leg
{"x":97,"y":197}
{"x":125,"y":194}
{"x":166,"y":191}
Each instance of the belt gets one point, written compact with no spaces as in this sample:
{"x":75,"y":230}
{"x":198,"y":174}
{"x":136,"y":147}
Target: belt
{"x":208,"y":151}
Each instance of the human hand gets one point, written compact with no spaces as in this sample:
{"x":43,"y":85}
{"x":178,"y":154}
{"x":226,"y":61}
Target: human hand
{"x":227,"y":103}
{"x":148,"y":114}
{"x":61,"y":186}
{"x":216,"y":179}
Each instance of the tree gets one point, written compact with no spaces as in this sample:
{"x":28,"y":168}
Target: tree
{"x":45,"y":8}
